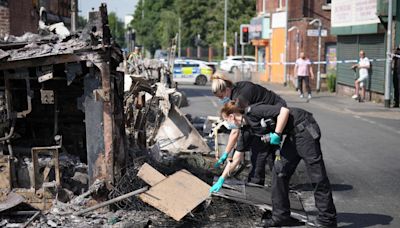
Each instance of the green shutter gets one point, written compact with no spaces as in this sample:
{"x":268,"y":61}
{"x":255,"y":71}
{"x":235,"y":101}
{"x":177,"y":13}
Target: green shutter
{"x":347,"y":50}
{"x":374,"y":47}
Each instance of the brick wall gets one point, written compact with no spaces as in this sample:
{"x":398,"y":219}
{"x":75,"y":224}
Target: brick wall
{"x":300,"y":14}
{"x":4,"y":21}
{"x":23,"y":17}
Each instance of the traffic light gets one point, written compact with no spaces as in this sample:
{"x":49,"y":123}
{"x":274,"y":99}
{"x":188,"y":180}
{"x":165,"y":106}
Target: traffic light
{"x":244,"y":34}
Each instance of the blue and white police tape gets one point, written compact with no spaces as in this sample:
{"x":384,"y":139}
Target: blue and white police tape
{"x":323,"y":62}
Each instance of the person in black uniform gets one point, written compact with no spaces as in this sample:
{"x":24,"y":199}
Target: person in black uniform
{"x":396,"y":78}
{"x":246,"y":93}
{"x":302,"y":142}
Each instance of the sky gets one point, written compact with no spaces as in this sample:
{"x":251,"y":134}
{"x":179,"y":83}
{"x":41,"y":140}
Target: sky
{"x":121,"y":7}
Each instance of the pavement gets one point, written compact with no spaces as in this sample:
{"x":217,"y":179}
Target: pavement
{"x":360,"y":144}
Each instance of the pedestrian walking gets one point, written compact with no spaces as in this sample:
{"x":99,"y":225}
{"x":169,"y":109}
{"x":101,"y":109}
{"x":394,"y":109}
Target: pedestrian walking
{"x":246,"y":93}
{"x":302,"y":142}
{"x":363,"y":67}
{"x":396,"y":77}
{"x":303,"y":71}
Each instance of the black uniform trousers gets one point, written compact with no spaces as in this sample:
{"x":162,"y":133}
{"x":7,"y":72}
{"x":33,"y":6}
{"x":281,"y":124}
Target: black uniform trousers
{"x":304,"y":145}
{"x":260,"y":155}
{"x":396,"y":85}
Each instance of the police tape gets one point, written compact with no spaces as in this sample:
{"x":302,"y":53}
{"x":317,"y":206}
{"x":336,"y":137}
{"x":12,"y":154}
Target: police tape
{"x":323,"y":62}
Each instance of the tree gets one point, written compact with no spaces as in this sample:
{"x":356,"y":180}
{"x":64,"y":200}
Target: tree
{"x":81,"y":22}
{"x":205,"y":17}
{"x":117,"y":29}
{"x":146,"y":21}
{"x":167,"y":27}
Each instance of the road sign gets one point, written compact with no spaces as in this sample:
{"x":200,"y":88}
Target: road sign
{"x":314,"y":32}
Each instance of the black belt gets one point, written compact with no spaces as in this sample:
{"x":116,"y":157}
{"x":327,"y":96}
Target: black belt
{"x":302,"y":125}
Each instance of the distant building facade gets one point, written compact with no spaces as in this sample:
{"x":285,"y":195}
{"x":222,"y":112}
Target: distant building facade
{"x":19,"y":17}
{"x":280,"y":20}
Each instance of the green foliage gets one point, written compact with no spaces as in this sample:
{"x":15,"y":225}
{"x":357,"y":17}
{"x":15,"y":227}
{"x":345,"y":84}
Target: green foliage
{"x":81,"y":22}
{"x":117,"y":29}
{"x":159,"y":22}
{"x":331,"y":81}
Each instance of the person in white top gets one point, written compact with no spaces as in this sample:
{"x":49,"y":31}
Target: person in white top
{"x":363,"y":68}
{"x":303,"y":70}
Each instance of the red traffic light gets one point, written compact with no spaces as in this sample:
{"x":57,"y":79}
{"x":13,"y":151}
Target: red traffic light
{"x":245,"y":29}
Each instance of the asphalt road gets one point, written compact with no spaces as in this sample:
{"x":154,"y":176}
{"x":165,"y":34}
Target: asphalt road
{"x":361,"y":149}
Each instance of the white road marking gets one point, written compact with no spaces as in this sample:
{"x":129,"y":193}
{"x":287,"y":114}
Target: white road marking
{"x":377,"y":124}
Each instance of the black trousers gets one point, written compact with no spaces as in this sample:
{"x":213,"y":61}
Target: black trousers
{"x":261,"y":156}
{"x":396,"y":85}
{"x":306,"y":80}
{"x":297,"y":146}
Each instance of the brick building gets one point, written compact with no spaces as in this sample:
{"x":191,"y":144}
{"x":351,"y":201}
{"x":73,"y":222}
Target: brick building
{"x":298,"y":15}
{"x":18,"y":17}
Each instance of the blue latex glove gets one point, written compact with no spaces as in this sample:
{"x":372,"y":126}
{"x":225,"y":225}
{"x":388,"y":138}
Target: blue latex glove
{"x":221,"y":160}
{"x":275,"y":139}
{"x":218,"y":185}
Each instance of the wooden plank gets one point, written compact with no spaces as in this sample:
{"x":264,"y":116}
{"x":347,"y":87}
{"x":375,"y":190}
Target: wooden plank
{"x":150,"y":175}
{"x":5,"y":172}
{"x":177,"y":195}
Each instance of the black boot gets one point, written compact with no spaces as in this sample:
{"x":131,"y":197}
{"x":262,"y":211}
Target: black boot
{"x":320,"y":224}
{"x":278,"y":223}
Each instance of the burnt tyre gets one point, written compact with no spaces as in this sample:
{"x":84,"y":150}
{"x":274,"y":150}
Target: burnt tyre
{"x":201,"y":80}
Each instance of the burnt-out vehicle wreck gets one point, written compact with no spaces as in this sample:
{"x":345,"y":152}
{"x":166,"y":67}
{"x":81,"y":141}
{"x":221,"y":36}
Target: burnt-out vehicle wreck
{"x":60,"y":101}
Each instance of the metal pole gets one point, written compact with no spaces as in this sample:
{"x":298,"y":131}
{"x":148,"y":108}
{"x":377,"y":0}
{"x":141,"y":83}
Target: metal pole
{"x":111,"y":201}
{"x":142,"y":9}
{"x":225,"y":25}
{"x":297,"y":44}
{"x":242,"y":62}
{"x":388,"y":70}
{"x":179,"y":37}
{"x":74,"y":15}
{"x":319,"y":56}
{"x":286,"y":44}
{"x":198,"y":46}
{"x":236,"y":42}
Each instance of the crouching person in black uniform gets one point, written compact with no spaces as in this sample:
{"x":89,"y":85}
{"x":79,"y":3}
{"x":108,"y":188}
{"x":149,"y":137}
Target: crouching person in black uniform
{"x":246,"y":93}
{"x":302,"y":142}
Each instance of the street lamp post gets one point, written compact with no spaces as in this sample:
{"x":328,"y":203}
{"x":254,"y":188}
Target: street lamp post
{"x":225,"y":25}
{"x":179,"y":37}
{"x":388,"y":67}
{"x":297,"y":47}
{"x":319,"y":52}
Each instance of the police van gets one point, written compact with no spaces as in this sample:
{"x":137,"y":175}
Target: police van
{"x":192,"y":71}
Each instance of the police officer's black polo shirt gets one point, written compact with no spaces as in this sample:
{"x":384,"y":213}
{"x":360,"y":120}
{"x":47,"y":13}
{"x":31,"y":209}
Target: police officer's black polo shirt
{"x":255,"y":113}
{"x":247,"y":93}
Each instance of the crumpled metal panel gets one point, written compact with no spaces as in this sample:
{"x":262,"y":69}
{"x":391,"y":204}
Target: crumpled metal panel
{"x":11,"y":201}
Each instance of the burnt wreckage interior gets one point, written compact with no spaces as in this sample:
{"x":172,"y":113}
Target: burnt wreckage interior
{"x":60,"y":101}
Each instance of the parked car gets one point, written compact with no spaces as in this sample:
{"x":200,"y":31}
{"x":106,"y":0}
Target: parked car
{"x":161,"y":55}
{"x":233,"y":63}
{"x":192,"y":71}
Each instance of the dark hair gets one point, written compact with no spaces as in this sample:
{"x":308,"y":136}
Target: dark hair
{"x":231,"y":108}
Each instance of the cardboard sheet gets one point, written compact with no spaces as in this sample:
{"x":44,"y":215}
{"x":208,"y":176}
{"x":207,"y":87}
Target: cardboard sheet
{"x":177,"y":195}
